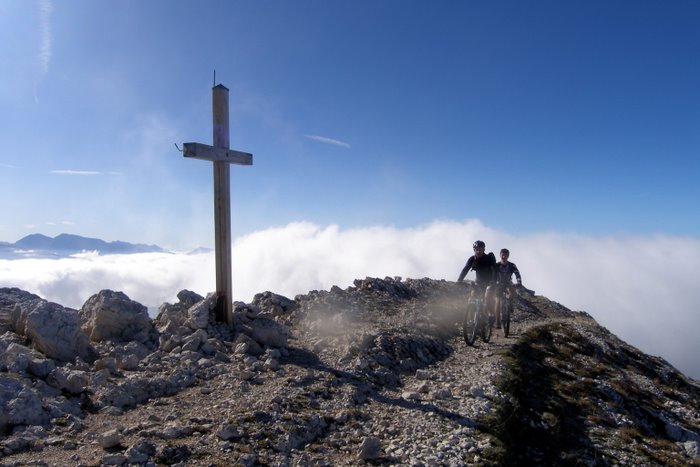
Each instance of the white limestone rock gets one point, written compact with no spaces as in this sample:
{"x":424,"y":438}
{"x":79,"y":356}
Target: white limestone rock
{"x":110,"y":439}
{"x":269,"y":332}
{"x":110,"y":315}
{"x":55,"y":332}
{"x":198,"y":314}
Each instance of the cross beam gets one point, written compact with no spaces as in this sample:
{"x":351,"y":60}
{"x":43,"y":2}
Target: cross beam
{"x":210,"y":153}
{"x":221,"y":156}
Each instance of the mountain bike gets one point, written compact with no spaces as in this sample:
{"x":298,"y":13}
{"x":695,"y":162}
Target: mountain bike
{"x":476,"y":318}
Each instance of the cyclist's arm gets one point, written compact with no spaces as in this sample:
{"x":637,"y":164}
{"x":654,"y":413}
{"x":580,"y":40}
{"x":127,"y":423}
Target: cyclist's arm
{"x":463,"y":274}
{"x":466,"y":269}
{"x":517,"y":274}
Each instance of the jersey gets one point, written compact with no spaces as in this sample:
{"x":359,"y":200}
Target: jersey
{"x":484,"y":267}
{"x":505,"y":271}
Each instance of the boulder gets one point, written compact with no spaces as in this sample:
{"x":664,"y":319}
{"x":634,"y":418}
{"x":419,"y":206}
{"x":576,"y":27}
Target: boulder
{"x":9,"y":388}
{"x":171,"y":319}
{"x":370,"y":448}
{"x":8,"y":339}
{"x":26,"y":409}
{"x":13,"y":302}
{"x":110,"y":439}
{"x":274,"y":304}
{"x":55,"y":331}
{"x":269,"y":332}
{"x":244,"y":344}
{"x":198,"y":313}
{"x":110,"y":315}
{"x":19,"y":358}
{"x":188,"y":298}
{"x":192,"y":312}
{"x":49,"y":327}
{"x":72,"y":381}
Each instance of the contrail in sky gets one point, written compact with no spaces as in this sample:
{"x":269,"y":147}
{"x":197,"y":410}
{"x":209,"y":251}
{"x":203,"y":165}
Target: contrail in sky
{"x":323,"y":139}
{"x":81,"y":172}
{"x":45,"y":8}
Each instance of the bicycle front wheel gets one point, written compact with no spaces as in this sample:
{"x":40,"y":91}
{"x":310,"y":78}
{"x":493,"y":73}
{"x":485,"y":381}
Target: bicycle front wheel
{"x":486,"y":327}
{"x":505,"y":319}
{"x":470,"y":324}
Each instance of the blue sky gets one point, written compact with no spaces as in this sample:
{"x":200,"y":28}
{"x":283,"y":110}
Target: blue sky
{"x":566,"y":126}
{"x":567,"y":116}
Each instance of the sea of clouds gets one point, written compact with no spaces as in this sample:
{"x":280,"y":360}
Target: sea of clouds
{"x":642,"y":288}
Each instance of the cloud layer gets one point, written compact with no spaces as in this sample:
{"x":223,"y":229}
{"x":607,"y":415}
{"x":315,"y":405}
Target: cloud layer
{"x":641,"y":288}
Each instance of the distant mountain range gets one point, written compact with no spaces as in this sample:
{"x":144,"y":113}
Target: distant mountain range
{"x":67,"y":244}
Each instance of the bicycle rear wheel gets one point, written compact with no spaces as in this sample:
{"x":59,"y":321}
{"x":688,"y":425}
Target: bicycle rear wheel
{"x":505,"y":317}
{"x":470,"y":323}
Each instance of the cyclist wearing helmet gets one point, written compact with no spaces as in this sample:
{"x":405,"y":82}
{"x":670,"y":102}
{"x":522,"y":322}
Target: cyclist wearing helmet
{"x":504,"y":271}
{"x":484,"y":265}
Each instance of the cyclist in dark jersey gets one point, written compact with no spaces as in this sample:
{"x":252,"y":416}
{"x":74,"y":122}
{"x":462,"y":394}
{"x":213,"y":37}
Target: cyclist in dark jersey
{"x":504,"y":271}
{"x":484,"y":265}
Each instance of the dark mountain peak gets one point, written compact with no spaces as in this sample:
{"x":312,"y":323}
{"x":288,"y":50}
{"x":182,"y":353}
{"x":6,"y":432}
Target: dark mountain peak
{"x":69,"y":243}
{"x":76,"y":242}
{"x":71,"y":237}
{"x":34,"y":241}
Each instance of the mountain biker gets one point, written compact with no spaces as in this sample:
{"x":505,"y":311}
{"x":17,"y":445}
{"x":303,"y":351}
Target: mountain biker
{"x":484,"y":265}
{"x":504,"y":271}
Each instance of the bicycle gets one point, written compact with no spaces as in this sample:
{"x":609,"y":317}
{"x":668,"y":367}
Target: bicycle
{"x":476,"y":318}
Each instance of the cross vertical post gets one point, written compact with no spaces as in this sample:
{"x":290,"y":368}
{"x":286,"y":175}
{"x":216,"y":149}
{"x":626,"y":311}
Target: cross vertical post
{"x":221,"y":156}
{"x":222,"y":208}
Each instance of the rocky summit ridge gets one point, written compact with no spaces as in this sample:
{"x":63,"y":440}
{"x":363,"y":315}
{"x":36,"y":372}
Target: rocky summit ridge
{"x":376,"y":373}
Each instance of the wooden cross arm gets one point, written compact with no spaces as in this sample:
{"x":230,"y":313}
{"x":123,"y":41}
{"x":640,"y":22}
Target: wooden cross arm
{"x":214,"y":154}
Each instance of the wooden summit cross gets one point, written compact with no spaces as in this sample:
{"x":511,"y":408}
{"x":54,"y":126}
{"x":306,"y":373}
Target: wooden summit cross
{"x":221,"y":156}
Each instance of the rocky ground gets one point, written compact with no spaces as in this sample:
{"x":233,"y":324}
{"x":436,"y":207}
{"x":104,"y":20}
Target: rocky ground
{"x":374,"y":374}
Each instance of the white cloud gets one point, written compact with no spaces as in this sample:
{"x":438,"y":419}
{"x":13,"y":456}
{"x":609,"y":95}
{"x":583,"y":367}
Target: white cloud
{"x":149,"y":278}
{"x":52,"y":223}
{"x":642,"y":288}
{"x":323,"y":139}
